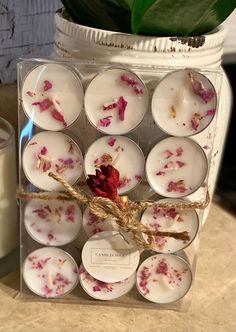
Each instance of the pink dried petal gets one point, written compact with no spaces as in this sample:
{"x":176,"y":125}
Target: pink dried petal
{"x":44,"y":104}
{"x":30,"y":93}
{"x":160,"y":173}
{"x":168,"y":154}
{"x":177,"y":186}
{"x":138,"y":177}
{"x":47,"y":291}
{"x":199,"y":90}
{"x":96,"y":289}
{"x":128,"y":80}
{"x":180,"y":163}
{"x":162,"y":267}
{"x":105,"y":122}
{"x":44,"y":151}
{"x":93,"y":219}
{"x":111,"y":141}
{"x":47,"y":85}
{"x":206,"y":147}
{"x":41,"y":213}
{"x":179,"y":151}
{"x":109,"y":106}
{"x":121,"y":105}
{"x":138,"y":90}
{"x":50,"y":236}
{"x":59,"y":117}
{"x":211,"y":112}
{"x":195,"y":121}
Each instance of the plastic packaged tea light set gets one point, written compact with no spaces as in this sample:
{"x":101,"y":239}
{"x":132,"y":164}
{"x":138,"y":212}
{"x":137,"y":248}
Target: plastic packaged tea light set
{"x":114,"y":167}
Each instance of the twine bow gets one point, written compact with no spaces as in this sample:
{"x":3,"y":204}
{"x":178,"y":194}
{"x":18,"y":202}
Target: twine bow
{"x":126,"y":216}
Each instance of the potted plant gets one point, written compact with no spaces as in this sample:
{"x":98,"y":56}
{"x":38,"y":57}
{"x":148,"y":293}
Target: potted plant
{"x":153,"y":32}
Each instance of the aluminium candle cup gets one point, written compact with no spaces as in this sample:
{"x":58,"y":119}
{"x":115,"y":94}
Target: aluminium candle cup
{"x":52,"y":222}
{"x":176,"y":167}
{"x":184,"y":103}
{"x":122,"y":153}
{"x":50,"y":272}
{"x":107,"y":256}
{"x":171,"y":220}
{"x":52,"y":96}
{"x":100,"y":290}
{"x":116,"y":101}
{"x":164,"y":278}
{"x":52,"y":152}
{"x":92,"y":224}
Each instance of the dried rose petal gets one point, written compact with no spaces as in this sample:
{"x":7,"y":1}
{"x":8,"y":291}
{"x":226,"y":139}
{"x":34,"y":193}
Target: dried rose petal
{"x":44,"y":104}
{"x":168,"y":154}
{"x":47,"y":85}
{"x":105,"y":122}
{"x":206,"y":147}
{"x":138,"y":177}
{"x":179,"y":151}
{"x":47,"y":291}
{"x":195,"y":121}
{"x":50,"y":236}
{"x":200,"y":91}
{"x":138,"y":90}
{"x":211,"y":112}
{"x":121,"y":105}
{"x":177,"y":186}
{"x":162,"y":267}
{"x":111,"y":141}
{"x":93,"y":219}
{"x":109,"y":106}
{"x":43,"y":151}
{"x":128,"y":80}
{"x":160,"y":173}
{"x":59,"y":117}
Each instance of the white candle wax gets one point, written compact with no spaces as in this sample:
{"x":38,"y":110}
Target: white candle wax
{"x":92,"y":224}
{"x":163,"y":278}
{"x":8,"y":181}
{"x":120,"y":152}
{"x":109,"y":257}
{"x":116,"y":101}
{"x":50,"y":272}
{"x":52,"y":96}
{"x":102,"y":290}
{"x":52,"y":152}
{"x":176,"y":167}
{"x":184,"y":103}
{"x":53,"y":222}
{"x":171,"y":220}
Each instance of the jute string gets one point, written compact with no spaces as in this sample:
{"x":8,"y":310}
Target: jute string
{"x":126,"y":215}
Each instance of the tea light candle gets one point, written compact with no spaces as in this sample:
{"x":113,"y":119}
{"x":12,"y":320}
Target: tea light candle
{"x":116,"y":101}
{"x":52,"y":152}
{"x":171,"y":220}
{"x":102,"y":290}
{"x":164,"y":278}
{"x":184,"y":103}
{"x":92,"y":224}
{"x":54,"y":222}
{"x":50,"y":272}
{"x":52,"y":96}
{"x":121,"y":152}
{"x":109,"y":257}
{"x":176,"y":167}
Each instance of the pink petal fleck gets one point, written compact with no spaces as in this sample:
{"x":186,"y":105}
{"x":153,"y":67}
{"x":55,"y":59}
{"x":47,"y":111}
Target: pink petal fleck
{"x":50,"y":236}
{"x":168,"y":154}
{"x":195,"y":121}
{"x":111,"y":141}
{"x":162,"y":267}
{"x":128,"y":80}
{"x":109,"y":106}
{"x":47,"y":85}
{"x":47,"y":291}
{"x":138,"y":90}
{"x":206,"y":147}
{"x":179,"y":151}
{"x":199,"y":90}
{"x":138,"y":177}
{"x":44,"y":104}
{"x":105,"y":122}
{"x":121,"y":105}
{"x":178,"y":186}
{"x":160,"y":173}
{"x":211,"y":112}
{"x":180,"y":163}
{"x":44,"y":151}
{"x":59,"y":117}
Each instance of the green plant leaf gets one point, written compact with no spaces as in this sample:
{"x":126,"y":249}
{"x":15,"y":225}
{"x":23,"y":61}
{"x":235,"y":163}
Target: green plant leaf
{"x":103,"y":14}
{"x":179,"y":17}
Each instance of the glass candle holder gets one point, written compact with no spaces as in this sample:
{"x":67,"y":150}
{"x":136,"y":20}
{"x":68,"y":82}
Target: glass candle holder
{"x":8,"y":181}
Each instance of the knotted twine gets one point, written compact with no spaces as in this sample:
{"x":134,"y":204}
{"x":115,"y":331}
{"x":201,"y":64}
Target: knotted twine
{"x":126,"y":215}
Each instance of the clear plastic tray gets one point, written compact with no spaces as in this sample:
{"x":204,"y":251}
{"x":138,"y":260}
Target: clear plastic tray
{"x":145,"y":135}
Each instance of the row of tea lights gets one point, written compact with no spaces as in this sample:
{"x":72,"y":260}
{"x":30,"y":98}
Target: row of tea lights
{"x":116,"y":100}
{"x":169,"y":165}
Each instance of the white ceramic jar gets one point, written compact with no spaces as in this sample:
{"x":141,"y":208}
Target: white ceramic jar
{"x":204,"y":52}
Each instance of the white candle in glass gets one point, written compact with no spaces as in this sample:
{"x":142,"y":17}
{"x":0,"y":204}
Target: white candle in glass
{"x":171,"y":220}
{"x":52,"y":222}
{"x":184,"y":103}
{"x":164,"y":278}
{"x":92,"y":224}
{"x":103,"y":290}
{"x":122,"y":153}
{"x":8,"y":206}
{"x":176,"y":167}
{"x":52,"y":152}
{"x":50,"y":272}
{"x":52,"y":96}
{"x":116,"y":101}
